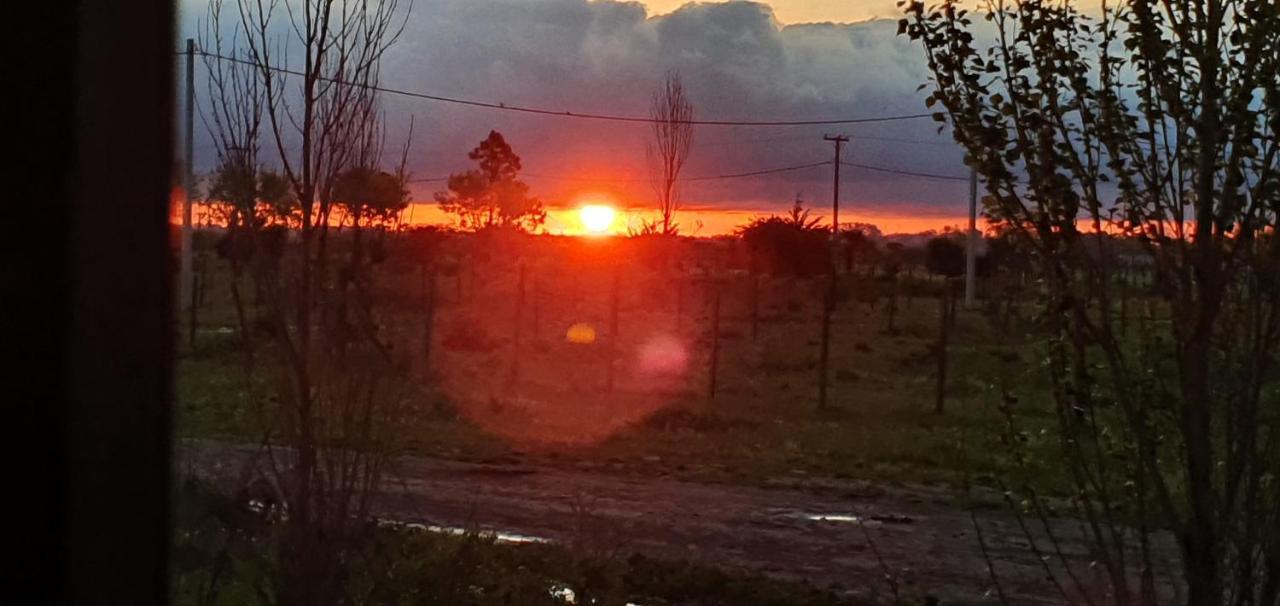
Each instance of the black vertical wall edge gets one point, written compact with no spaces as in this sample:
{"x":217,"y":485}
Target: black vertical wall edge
{"x":119,"y":365}
{"x":86,"y":304}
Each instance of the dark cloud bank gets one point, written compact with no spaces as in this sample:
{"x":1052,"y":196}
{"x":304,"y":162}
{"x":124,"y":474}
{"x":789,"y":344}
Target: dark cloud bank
{"x":738,"y":62}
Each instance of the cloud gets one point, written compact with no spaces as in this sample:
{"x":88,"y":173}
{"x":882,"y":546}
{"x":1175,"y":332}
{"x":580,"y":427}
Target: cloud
{"x":603,"y":56}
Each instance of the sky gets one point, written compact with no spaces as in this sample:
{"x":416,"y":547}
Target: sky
{"x":740,"y":60}
{"x":806,"y":11}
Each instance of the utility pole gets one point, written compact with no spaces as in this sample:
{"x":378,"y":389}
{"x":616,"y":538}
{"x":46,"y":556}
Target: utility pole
{"x":829,"y":303}
{"x":188,"y":183}
{"x":839,"y":140}
{"x":971,"y":252}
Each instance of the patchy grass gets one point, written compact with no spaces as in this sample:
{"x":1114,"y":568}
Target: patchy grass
{"x":762,"y":423}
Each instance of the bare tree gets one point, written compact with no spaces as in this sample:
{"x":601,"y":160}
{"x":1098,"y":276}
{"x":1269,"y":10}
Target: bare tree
{"x":338,"y":392}
{"x":1177,"y":104}
{"x":232,"y":113}
{"x":672,"y":114}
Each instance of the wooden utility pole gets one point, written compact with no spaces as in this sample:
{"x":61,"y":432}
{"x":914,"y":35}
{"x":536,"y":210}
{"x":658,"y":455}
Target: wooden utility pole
{"x":839,"y":140}
{"x":971,"y":252}
{"x":185,"y":273}
{"x":829,"y":302}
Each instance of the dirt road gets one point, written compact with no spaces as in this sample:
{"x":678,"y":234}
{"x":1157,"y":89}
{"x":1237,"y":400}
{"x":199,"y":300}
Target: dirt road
{"x":847,"y":535}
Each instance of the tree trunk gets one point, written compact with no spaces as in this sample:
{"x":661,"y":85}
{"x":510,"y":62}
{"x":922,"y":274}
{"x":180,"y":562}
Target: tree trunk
{"x":1201,"y":546}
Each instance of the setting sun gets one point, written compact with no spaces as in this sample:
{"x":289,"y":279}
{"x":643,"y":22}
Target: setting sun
{"x":597,"y":218}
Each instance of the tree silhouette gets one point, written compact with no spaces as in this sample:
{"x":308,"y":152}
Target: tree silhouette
{"x":370,"y":196}
{"x":859,"y":245}
{"x":789,"y":245}
{"x":1174,"y":104}
{"x":492,"y":195}
{"x":671,"y":112}
{"x":944,"y":257}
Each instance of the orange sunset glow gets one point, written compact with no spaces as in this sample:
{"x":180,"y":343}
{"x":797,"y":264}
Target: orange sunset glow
{"x":703,"y":222}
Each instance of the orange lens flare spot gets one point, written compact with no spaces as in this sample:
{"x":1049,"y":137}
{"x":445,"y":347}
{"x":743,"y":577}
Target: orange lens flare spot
{"x":597,"y":218}
{"x":581,"y":334}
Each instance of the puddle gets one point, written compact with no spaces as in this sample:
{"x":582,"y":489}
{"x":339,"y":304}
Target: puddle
{"x":874,"y":521}
{"x":832,"y":517}
{"x":869,"y":521}
{"x":500,"y":536}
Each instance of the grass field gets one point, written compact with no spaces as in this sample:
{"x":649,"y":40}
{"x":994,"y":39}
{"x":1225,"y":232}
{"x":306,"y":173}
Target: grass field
{"x":763,"y":424}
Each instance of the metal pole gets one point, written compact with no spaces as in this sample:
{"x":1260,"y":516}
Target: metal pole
{"x":971,"y":252}
{"x":188,"y":183}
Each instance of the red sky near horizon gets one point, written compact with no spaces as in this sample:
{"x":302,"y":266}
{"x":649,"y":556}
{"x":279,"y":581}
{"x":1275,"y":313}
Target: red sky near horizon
{"x":701,"y":222}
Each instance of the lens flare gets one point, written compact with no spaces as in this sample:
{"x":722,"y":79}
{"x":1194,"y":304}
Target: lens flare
{"x":663,"y":355}
{"x":581,"y":334}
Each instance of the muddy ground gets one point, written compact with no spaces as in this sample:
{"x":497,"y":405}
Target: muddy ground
{"x":850,"y":536}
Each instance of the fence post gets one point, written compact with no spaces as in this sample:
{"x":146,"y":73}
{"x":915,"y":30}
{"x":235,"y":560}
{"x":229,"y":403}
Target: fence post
{"x":679,"y":303}
{"x":828,"y":304}
{"x":514,"y":378}
{"x":613,"y":330}
{"x":429,"y":332}
{"x":944,"y":329}
{"x":755,"y":307}
{"x":715,"y":339}
{"x":537,"y":307}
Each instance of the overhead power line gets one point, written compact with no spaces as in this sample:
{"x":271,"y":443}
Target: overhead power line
{"x":567,"y":114}
{"x":758,"y":172}
{"x":905,"y":172}
{"x":753,"y":173}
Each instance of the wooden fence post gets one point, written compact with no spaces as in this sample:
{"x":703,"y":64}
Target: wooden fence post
{"x":679,"y":303}
{"x":537,"y":307}
{"x":715,"y":340}
{"x":755,"y":307}
{"x":429,"y":332}
{"x":613,"y":330}
{"x":514,"y":378}
{"x":828,"y":305}
{"x":944,"y":329}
